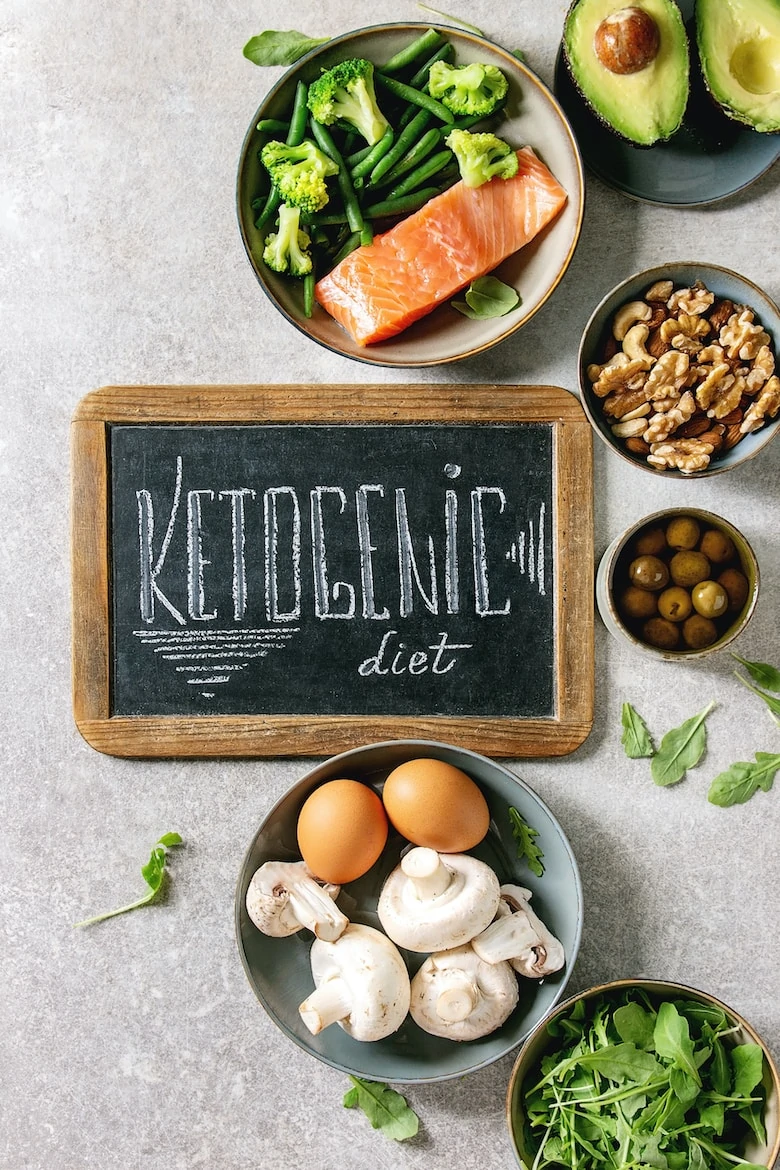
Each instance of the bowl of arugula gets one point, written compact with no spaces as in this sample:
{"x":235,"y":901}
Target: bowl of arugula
{"x":641,"y":1072}
{"x":458,"y":279}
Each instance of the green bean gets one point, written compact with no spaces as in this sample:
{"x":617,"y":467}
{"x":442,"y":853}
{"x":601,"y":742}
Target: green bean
{"x":309,"y":281}
{"x":420,"y":79}
{"x":408,"y":56}
{"x":349,"y":198}
{"x":415,"y":97}
{"x":407,"y":137}
{"x":271,"y":205}
{"x":421,"y":174}
{"x":352,"y":242}
{"x":403,"y":206}
{"x":298,"y":118}
{"x":272,"y":126}
{"x":375,"y":156}
{"x":367,"y":234}
{"x":357,"y":156}
{"x":421,"y":149}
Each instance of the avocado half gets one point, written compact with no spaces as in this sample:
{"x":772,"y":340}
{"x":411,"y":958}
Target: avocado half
{"x":739,"y":50}
{"x":644,"y":106}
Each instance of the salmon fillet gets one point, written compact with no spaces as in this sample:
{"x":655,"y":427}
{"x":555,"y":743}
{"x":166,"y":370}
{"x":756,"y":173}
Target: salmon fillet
{"x":382,"y":287}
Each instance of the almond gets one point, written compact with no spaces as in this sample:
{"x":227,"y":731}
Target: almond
{"x":721,"y":311}
{"x":698,"y":425}
{"x":732,"y":436}
{"x":637,"y":446}
{"x":714,"y":437}
{"x":734,"y":416}
{"x":655,"y":344}
{"x":659,"y":314}
{"x":610,"y":348}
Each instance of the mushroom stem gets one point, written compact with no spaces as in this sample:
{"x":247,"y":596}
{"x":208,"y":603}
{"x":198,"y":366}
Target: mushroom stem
{"x":425,"y":870}
{"x":331,"y":1002}
{"x":457,"y":1002}
{"x":519,"y":936}
{"x":315,"y":908}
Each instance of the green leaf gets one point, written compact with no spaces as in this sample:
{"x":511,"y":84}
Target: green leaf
{"x":153,"y":873}
{"x":739,"y":782}
{"x":747,"y":1060}
{"x":487,"y":296}
{"x":453,"y":19}
{"x":673,"y":1040}
{"x":772,"y":703}
{"x":280,"y":48}
{"x":384,"y":1107}
{"x":681,"y":749}
{"x":519,"y":54}
{"x":762,"y":673}
{"x":635,"y":1025}
{"x":525,"y":837}
{"x":636,"y":740}
{"x":621,"y":1062}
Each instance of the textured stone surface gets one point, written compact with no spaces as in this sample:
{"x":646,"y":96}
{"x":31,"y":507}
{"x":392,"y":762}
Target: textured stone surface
{"x":140,"y":1043}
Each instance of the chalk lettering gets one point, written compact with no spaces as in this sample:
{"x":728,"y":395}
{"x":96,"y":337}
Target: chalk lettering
{"x":481,"y":585}
{"x":271,"y":520}
{"x":366,"y":549}
{"x":150,"y":568}
{"x":322,"y":590}
{"x":407,"y":562}
{"x":398,"y":659}
{"x":237,"y":520}
{"x":196,"y":562}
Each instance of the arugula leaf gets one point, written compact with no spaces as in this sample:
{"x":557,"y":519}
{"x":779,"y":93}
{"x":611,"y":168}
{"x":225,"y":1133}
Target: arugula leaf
{"x":762,"y":673}
{"x":747,"y":1060}
{"x":280,"y":48}
{"x":525,"y":837}
{"x":384,"y":1107}
{"x":635,"y":1025}
{"x":153,"y":873}
{"x":453,"y":19}
{"x":772,"y":703}
{"x":681,"y":749}
{"x":739,"y":782}
{"x":672,"y":1038}
{"x":636,"y":739}
{"x":487,"y":296}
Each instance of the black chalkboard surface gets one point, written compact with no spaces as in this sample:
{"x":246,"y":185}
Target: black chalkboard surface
{"x":298,"y":581}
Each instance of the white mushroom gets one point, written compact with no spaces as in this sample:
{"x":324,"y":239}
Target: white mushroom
{"x":284,"y":896}
{"x":457,"y":995}
{"x":433,"y":901}
{"x":520,"y":937}
{"x":361,"y":982}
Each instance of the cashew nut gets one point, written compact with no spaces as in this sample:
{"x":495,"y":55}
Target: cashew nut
{"x":634,"y":345}
{"x":634,"y":426}
{"x":628,"y":315}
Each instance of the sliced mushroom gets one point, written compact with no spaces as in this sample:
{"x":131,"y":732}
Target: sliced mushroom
{"x":457,"y":995}
{"x":434,"y":901}
{"x":520,"y":937}
{"x":284,"y":896}
{"x":361,"y":982}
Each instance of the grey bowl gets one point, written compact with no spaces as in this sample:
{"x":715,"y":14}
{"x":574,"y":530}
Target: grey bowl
{"x":724,"y":283}
{"x":278,"y":969}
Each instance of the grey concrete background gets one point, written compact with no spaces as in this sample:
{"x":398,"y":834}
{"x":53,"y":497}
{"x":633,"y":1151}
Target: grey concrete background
{"x":140,"y":1043}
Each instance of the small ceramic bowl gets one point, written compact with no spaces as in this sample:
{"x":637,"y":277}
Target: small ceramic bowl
{"x":279,"y":971}
{"x":533,"y":117}
{"x":726,"y":285}
{"x":525,"y":1072}
{"x":612,"y":578}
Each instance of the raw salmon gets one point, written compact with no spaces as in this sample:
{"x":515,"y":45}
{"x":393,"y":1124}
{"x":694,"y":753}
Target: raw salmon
{"x":381,"y":288}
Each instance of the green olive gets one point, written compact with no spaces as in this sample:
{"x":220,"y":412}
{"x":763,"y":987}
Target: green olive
{"x":648,"y":573}
{"x":717,"y":546}
{"x":675,"y":603}
{"x":710,"y":599}
{"x":699,"y":631}
{"x":736,"y":585}
{"x":689,"y":567}
{"x":652,"y":541}
{"x":637,"y":603}
{"x":683,"y":532}
{"x":662,"y":633}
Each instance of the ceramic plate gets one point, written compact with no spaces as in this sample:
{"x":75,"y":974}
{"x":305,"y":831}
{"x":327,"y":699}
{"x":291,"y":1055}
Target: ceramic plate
{"x":683,"y":172}
{"x":279,"y":970}
{"x":534,"y":118}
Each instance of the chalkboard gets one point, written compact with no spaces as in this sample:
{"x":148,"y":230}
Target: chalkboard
{"x":297,"y":570}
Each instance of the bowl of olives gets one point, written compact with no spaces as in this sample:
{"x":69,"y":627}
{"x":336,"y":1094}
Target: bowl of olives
{"x":680,"y":583}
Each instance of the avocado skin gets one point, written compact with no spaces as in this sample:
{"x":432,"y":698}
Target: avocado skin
{"x":674,"y":32}
{"x":714,"y":51}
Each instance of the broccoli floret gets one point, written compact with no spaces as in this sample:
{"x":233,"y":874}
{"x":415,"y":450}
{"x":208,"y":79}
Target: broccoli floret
{"x":482,"y":157}
{"x":347,"y":91}
{"x":298,"y":173}
{"x":285,"y":250}
{"x":468,"y":90}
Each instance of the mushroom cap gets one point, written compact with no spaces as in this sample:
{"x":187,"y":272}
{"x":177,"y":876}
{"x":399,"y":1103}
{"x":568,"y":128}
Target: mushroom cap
{"x":364,"y":970}
{"x":456,"y":900}
{"x":458,"y":996}
{"x":284,"y":896}
{"x":519,"y":936}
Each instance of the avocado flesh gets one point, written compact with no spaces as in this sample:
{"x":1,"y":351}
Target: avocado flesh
{"x":739,"y":49}
{"x":643,"y":107}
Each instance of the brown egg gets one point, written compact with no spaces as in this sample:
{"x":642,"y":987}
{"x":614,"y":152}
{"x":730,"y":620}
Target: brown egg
{"x":342,"y":829}
{"x":434,"y":804}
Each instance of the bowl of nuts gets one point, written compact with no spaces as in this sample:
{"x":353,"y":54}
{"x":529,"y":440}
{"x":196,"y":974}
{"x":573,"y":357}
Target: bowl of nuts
{"x":677,"y":369}
{"x":681,"y":583}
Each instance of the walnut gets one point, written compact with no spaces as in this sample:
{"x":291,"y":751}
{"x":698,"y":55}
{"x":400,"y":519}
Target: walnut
{"x":726,"y":397}
{"x":616,"y":376}
{"x":662,"y":425}
{"x":720,"y":314}
{"x":761,"y":371}
{"x":711,"y":353}
{"x":686,"y":455}
{"x":625,"y":402}
{"x":668,"y":375}
{"x":765,"y":406}
{"x":685,"y":332}
{"x":741,"y":336}
{"x":693,"y":301}
{"x":717,"y":379}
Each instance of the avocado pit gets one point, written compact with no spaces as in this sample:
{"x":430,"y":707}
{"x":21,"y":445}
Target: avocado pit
{"x":627,"y":41}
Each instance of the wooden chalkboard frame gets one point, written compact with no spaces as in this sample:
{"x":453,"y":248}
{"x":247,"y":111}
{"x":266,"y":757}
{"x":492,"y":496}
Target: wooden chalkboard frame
{"x":316,"y":735}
